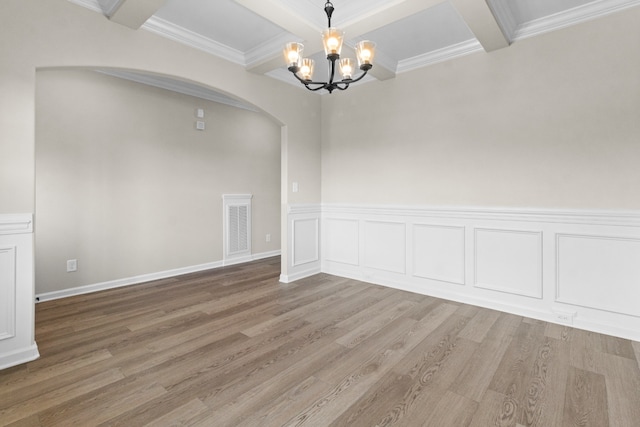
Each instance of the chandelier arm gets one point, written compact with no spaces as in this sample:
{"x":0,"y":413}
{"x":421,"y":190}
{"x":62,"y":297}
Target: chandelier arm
{"x":307,"y":82}
{"x":324,"y":86}
{"x":360,"y":77}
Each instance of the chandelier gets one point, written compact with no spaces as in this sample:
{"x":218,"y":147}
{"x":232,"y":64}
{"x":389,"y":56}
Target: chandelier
{"x":332,"y":38}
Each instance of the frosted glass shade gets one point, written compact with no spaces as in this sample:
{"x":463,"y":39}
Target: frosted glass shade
{"x":332,"y":41}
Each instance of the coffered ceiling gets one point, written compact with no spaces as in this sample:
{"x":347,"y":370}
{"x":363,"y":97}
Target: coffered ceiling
{"x":409,"y":33}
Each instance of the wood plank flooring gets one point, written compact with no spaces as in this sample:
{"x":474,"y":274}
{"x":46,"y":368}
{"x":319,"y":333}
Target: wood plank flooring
{"x":234,"y":347}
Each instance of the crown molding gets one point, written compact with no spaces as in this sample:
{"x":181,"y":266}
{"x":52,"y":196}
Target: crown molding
{"x":177,"y":86}
{"x":182,"y":35}
{"x":440,"y":55}
{"x":571,"y":17}
{"x":268,"y":49}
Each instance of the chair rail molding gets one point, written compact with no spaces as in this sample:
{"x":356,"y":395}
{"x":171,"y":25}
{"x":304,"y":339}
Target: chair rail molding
{"x":574,"y":267}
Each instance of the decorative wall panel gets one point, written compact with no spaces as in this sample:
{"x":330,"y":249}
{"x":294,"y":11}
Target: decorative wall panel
{"x":342,"y":241}
{"x":438,"y":253}
{"x":579,"y":268}
{"x":7,"y":292}
{"x":599,"y":272}
{"x":509,"y":261}
{"x":305,"y":241}
{"x":17,"y":300}
{"x":385,"y":246}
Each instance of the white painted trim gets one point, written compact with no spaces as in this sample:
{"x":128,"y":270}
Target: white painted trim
{"x":17,"y":239}
{"x":237,"y":196}
{"x":178,"y":86}
{"x":268,"y":49}
{"x":570,"y":17}
{"x":488,"y":286}
{"x":16,"y":223}
{"x":516,"y":309}
{"x":316,"y":253}
{"x":9,"y":304}
{"x":143,"y":278}
{"x":586,"y":217}
{"x":440,"y":55}
{"x":304,"y":209}
{"x":463,"y":260}
{"x":19,"y":357}
{"x":568,"y":301}
{"x":540,"y":257}
{"x":288,"y":278}
{"x":179,"y":34}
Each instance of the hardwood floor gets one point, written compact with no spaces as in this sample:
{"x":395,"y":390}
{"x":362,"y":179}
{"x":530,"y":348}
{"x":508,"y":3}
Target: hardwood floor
{"x":233,"y":347}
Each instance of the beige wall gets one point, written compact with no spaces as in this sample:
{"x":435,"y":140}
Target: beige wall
{"x":127,"y":186}
{"x":36,"y":34}
{"x":552,"y":121}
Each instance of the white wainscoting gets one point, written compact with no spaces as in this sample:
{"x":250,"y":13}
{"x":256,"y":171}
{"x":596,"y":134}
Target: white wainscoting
{"x":7,"y":292}
{"x":509,"y":261}
{"x":580,"y":268}
{"x":601,"y":272}
{"x":17,"y":344}
{"x":303,"y":243}
{"x":439,"y":253}
{"x":385,"y":246}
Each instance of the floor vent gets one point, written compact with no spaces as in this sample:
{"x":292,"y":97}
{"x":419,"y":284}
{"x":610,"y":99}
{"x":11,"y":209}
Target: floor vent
{"x":237,"y":227}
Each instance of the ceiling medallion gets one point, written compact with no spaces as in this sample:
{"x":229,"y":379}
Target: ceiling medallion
{"x":332,"y":38}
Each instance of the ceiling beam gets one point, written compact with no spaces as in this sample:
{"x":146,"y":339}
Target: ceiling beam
{"x":134,"y":13}
{"x":309,"y":33}
{"x":482,"y":23}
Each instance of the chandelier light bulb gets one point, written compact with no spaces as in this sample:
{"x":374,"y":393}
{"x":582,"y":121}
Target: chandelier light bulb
{"x":306,"y":68}
{"x":332,"y":40}
{"x":333,"y":44}
{"x":293,"y":54}
{"x":346,"y":68}
{"x":365,"y":51}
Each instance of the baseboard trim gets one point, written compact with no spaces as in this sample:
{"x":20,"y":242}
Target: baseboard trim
{"x":288,"y":278}
{"x":135,"y":280}
{"x":19,"y":357}
{"x":515,"y":309}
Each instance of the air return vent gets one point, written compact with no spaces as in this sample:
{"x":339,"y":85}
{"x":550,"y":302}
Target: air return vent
{"x":237,"y":227}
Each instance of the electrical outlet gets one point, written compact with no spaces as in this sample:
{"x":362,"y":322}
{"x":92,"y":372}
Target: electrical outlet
{"x":268,"y":237}
{"x":72,"y":265}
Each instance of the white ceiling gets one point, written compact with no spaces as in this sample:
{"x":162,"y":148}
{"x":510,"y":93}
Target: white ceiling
{"x":409,"y":33}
